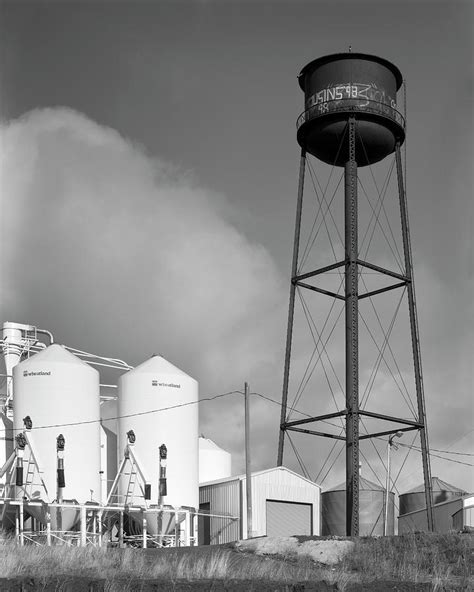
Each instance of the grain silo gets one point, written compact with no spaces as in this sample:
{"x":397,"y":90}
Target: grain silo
{"x":371,"y":510}
{"x":60,"y":393}
{"x":414,"y":500}
{"x":214,"y":462}
{"x":109,"y":450}
{"x":159,"y":403}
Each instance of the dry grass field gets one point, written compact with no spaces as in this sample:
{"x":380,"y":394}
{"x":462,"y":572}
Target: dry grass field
{"x":405,"y":563}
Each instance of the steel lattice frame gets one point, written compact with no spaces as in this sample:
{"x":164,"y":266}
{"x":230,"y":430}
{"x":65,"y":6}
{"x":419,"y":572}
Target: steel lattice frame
{"x":352,"y":264}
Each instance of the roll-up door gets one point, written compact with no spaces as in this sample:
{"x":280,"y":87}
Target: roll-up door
{"x":288,"y":518}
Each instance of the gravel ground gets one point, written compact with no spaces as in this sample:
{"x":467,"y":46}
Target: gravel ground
{"x":87,"y":585}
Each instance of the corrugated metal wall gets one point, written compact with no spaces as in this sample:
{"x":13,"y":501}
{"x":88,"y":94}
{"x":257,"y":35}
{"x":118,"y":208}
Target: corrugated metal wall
{"x":223,"y":498}
{"x":371,"y":513}
{"x":442,"y":516}
{"x":288,"y":518}
{"x":280,"y":485}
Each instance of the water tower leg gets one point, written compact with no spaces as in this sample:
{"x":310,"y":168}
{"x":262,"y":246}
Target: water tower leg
{"x":352,"y":337}
{"x":291,"y":308}
{"x":415,"y":340}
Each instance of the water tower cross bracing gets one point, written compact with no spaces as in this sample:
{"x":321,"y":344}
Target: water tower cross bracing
{"x":351,"y":120}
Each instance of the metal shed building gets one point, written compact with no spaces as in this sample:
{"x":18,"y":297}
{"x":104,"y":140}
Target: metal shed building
{"x":455,"y":514}
{"x":283,"y":504}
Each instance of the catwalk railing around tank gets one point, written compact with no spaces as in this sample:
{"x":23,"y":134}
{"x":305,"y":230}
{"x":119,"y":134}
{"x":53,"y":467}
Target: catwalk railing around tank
{"x":352,"y":106}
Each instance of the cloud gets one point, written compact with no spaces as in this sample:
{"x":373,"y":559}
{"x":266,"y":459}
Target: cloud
{"x":122,"y":254}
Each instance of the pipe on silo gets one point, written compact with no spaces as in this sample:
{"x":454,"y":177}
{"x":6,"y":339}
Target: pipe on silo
{"x":61,"y":481}
{"x":20,"y":451}
{"x":48,"y":333}
{"x":162,"y":489}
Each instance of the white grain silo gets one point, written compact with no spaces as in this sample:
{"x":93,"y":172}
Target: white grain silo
{"x":55,"y":388}
{"x":214,"y":462}
{"x":159,"y":403}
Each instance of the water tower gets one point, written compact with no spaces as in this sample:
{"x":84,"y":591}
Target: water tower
{"x":351,"y":120}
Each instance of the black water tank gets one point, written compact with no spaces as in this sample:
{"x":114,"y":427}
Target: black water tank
{"x":350,"y":84}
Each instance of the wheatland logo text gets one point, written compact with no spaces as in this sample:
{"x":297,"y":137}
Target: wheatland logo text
{"x":40,"y":373}
{"x":171,"y":384}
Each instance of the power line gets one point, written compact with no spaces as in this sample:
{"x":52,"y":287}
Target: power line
{"x":449,"y":452}
{"x":293,"y":409}
{"x":418,"y":449}
{"x":151,"y":411}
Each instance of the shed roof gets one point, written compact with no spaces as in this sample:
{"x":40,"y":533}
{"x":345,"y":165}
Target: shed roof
{"x":257,"y":473}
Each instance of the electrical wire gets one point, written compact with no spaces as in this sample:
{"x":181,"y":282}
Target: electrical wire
{"x":404,"y":461}
{"x":449,"y":452}
{"x":140,"y":413}
{"x":459,"y":462}
{"x":294,"y":409}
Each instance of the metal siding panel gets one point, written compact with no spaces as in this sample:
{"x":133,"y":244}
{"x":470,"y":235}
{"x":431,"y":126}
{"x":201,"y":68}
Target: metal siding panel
{"x":287,"y":519}
{"x":443,"y":518}
{"x":277,"y":484}
{"x":468,"y":517}
{"x":223,"y":499}
{"x":280,"y":484}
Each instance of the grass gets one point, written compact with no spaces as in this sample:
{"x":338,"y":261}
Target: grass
{"x":216,"y":564}
{"x":413,"y":557}
{"x":444,"y":560}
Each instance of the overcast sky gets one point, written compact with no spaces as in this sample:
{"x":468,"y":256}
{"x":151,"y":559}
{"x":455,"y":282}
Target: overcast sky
{"x":148,"y":192}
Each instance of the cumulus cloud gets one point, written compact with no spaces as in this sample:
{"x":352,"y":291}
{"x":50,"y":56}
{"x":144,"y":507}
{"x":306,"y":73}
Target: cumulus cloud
{"x":122,"y":254}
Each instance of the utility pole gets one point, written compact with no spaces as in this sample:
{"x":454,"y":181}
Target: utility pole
{"x":248,"y":473}
{"x":387,"y":485}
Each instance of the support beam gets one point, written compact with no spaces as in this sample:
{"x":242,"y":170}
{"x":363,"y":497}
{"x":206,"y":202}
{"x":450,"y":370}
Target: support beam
{"x":386,"y":433}
{"x":415,"y":340}
{"x":291,"y":308}
{"x":319,"y":271}
{"x":352,"y":337}
{"x":382,"y":290}
{"x":320,"y":290}
{"x":314,"y":433}
{"x":390,"y":418}
{"x":313,"y":419}
{"x":398,"y":276}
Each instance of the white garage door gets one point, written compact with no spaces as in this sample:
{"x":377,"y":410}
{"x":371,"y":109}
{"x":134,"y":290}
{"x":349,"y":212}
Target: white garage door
{"x":288,"y":518}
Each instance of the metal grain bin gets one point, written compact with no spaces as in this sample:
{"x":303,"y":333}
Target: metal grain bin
{"x":371,"y":510}
{"x":415,"y":498}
